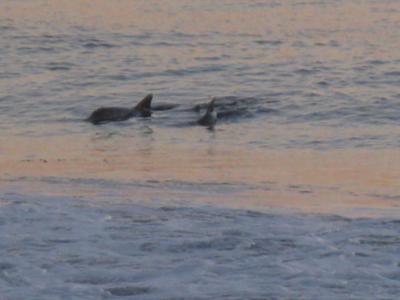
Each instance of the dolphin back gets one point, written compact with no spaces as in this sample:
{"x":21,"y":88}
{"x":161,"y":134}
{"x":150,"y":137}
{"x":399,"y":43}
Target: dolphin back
{"x":109,"y":114}
{"x":112,"y":114}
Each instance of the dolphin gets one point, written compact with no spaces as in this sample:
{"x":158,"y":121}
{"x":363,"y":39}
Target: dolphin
{"x":210,"y":117}
{"x":112,"y":114}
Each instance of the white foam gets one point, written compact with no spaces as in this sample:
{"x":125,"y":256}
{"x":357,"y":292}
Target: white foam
{"x":63,"y":248}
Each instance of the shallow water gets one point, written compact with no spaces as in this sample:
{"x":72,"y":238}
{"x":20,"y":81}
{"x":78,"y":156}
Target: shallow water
{"x":73,"y":249}
{"x":307,"y":98}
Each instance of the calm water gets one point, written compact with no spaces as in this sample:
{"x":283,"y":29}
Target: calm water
{"x":308,"y":97}
{"x":306,"y":74}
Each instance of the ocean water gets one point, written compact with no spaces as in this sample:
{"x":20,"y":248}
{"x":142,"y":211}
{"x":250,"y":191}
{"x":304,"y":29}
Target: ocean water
{"x":68,"y":249}
{"x":293,"y":195}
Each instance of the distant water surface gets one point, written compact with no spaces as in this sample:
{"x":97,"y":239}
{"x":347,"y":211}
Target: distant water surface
{"x":308,"y":97}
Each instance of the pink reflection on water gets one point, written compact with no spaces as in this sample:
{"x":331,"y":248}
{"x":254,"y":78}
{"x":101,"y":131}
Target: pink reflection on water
{"x":335,"y":181}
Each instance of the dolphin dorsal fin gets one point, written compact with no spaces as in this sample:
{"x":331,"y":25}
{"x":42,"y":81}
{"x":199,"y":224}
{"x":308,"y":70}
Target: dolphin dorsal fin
{"x":145,"y":104}
{"x":210,"y":107}
{"x":210,"y":117}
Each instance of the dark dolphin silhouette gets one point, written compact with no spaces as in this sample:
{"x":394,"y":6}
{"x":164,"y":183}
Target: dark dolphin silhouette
{"x":112,"y":114}
{"x":210,"y":117}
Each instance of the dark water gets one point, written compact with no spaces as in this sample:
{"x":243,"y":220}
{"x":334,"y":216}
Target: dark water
{"x":118,"y":210}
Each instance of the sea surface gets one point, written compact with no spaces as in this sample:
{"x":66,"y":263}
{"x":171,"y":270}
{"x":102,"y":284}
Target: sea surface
{"x":293,"y":195}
